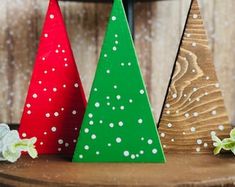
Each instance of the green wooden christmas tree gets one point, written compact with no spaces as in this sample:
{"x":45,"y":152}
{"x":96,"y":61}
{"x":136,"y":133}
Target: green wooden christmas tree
{"x":118,"y":125}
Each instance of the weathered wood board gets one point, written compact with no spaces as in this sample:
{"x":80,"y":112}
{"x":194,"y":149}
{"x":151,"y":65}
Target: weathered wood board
{"x":194,"y":106}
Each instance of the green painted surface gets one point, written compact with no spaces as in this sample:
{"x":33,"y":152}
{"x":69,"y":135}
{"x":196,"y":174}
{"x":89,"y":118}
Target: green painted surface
{"x":118,"y":125}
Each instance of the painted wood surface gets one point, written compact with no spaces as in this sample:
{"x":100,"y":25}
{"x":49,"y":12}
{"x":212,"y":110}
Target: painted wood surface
{"x":194,"y":108}
{"x":180,"y":170}
{"x":158,"y":24}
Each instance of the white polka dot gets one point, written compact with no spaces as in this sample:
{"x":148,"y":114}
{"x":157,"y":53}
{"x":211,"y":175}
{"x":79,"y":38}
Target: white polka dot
{"x":81,"y":156}
{"x":74,"y":112}
{"x":66,"y":144}
{"x":114,"y":48}
{"x":174,"y":95}
{"x":142,"y":138}
{"x":41,"y":143}
{"x":52,"y":16}
{"x":24,"y":135}
{"x":126,"y":153}
{"x":28,"y":105}
{"x":198,"y":149}
{"x":63,"y":51}
{"x":168,"y":105}
{"x":74,"y":141}
{"x":108,"y":103}
{"x":116,"y":35}
{"x":168,"y":112}
{"x":114,"y":18}
{"x":49,"y":99}
{"x":214,"y":112}
{"x":154,"y":151}
{"x":140,"y":121}
{"x":93,"y":136}
{"x":205,"y":145}
{"x":193,"y":129}
{"x":56,"y":114}
{"x":120,"y":123}
{"x":43,"y":58}
{"x":48,"y":115}
{"x":130,"y":101}
{"x":91,"y":122}
{"x":45,"y":72}
{"x":207,"y":78}
{"x":118,"y":140}
{"x":194,"y":89}
{"x":97,"y":104}
{"x":172,"y":139}
{"x":122,"y":107}
{"x":199,"y":141}
{"x":66,"y":65}
{"x":129,"y":64}
{"x":194,"y":44}
{"x":86,"y":130}
{"x":141,"y":92}
{"x":169,"y":125}
{"x":86,"y":147}
{"x":163,"y":134}
{"x":59,"y":149}
{"x":35,"y":96}
{"x":44,"y":89}
{"x":53,"y":129}
{"x":64,"y":86}
{"x":115,"y":86}
{"x":188,"y":35}
{"x":101,"y":121}
{"x":60,"y":141}
{"x":111,"y":125}
{"x":118,"y":97}
{"x":95,"y":89}
{"x":132,"y":156}
{"x":221,"y":127}
{"x":54,"y":89}
{"x":109,"y":144}
{"x":65,"y":59}
{"x":76,"y":85}
{"x":195,"y":114}
{"x":97,"y":152}
{"x":116,"y":42}
{"x":141,"y":152}
{"x":186,"y":115}
{"x":90,"y":115}
{"x":195,"y":16}
{"x":150,"y":141}
{"x":53,"y":69}
{"x":29,"y":112}
{"x":57,"y":51}
{"x":46,"y":35}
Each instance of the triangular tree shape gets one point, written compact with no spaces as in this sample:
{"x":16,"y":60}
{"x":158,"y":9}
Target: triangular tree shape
{"x":118,"y":124}
{"x":194,"y":108}
{"x":55,"y":103}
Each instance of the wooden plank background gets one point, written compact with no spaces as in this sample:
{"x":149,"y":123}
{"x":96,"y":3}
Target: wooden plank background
{"x":159,"y":27}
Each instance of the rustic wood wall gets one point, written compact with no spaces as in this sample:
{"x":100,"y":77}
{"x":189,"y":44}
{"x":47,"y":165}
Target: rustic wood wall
{"x":158,"y":30}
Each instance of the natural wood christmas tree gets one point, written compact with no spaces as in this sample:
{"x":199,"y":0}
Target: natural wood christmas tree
{"x":194,"y":107}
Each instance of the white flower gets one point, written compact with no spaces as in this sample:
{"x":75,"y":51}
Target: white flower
{"x":11,"y":145}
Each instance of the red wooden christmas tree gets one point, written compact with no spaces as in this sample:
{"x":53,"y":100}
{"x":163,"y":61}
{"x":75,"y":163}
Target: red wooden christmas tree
{"x":55,"y":102}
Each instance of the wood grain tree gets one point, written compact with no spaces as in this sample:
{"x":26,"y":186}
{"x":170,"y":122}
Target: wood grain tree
{"x":194,"y":106}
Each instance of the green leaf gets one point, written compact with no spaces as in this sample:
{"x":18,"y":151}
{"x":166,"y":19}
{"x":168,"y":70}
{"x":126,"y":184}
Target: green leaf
{"x":228,"y":144}
{"x":233,"y":150}
{"x":33,"y":152}
{"x":217,"y":150}
{"x":232,"y":134}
